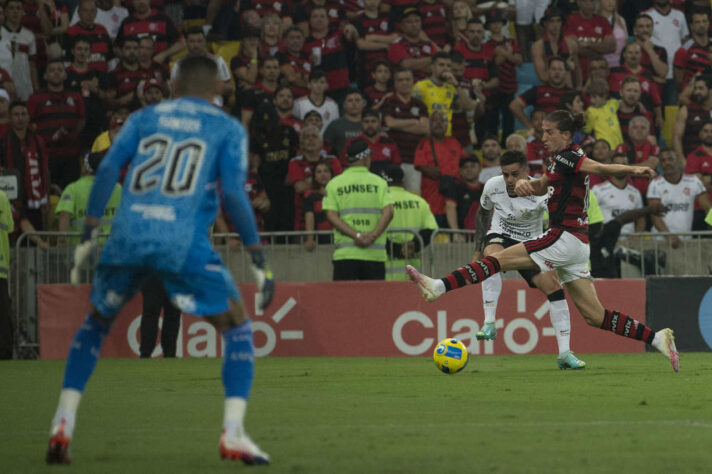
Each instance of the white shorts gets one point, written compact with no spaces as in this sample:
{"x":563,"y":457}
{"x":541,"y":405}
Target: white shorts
{"x":559,"y":250}
{"x":530,"y":11}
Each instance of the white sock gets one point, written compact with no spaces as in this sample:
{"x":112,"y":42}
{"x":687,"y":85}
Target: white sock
{"x":439,"y":285}
{"x":235,"y":408}
{"x":491,"y":289}
{"x":561,"y":321}
{"x":67,"y":410}
{"x":657,"y":342}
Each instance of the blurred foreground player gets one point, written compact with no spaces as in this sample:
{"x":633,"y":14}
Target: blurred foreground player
{"x":564,"y":246}
{"x":179,"y":153}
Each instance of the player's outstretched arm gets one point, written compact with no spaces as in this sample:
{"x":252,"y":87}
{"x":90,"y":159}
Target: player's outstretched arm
{"x":594,"y":167}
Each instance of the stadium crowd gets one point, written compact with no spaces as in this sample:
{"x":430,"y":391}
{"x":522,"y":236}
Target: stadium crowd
{"x":432,"y":86}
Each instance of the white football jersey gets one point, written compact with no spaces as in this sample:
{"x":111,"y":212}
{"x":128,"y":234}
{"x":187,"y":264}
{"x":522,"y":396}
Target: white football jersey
{"x":519,"y":218}
{"x":678,"y":198}
{"x":614,"y":201}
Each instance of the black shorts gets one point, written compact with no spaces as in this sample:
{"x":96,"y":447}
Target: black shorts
{"x":506,"y":242}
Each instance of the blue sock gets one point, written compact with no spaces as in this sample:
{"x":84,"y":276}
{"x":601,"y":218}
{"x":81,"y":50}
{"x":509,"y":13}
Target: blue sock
{"x":239,"y":361}
{"x":84,"y":352}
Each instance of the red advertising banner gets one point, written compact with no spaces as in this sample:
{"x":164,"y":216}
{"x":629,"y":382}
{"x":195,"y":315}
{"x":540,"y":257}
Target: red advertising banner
{"x":376,"y":319}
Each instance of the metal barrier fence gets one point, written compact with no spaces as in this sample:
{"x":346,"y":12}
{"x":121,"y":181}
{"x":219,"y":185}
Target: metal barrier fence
{"x":642,"y":254}
{"x":45,"y":257}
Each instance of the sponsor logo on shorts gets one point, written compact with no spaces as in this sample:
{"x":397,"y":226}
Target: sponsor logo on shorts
{"x":549,"y":265}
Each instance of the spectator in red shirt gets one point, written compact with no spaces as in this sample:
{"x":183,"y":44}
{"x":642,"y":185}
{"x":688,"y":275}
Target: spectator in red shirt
{"x":283,"y":100}
{"x":640,"y":149}
{"x":507,"y":57}
{"x":690,"y":117}
{"x":146,"y":21}
{"x":692,"y":57}
{"x":552,"y":44}
{"x":301,"y":168}
{"x":20,"y":148}
{"x":379,"y":91}
{"x":654,"y":58}
{"x":329,"y":51}
{"x":410,"y":50}
{"x":96,"y":34}
{"x":630,"y":105}
{"x":536,"y":151}
{"x":150,"y":68}
{"x":271,"y":35}
{"x":124,"y":78}
{"x":592,"y":33}
{"x":294,"y":62}
{"x":699,"y":162}
{"x":376,"y":34}
{"x":407,"y":120}
{"x":545,"y":96}
{"x":59,"y":116}
{"x":91,"y":84}
{"x":384,"y":151}
{"x":434,"y":16}
{"x":4,"y":112}
{"x":314,"y":215}
{"x":435,"y":157}
{"x":650,"y":96}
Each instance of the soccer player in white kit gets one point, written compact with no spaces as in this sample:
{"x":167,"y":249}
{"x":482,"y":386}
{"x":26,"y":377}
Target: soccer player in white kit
{"x":564,"y":246}
{"x":504,"y":220}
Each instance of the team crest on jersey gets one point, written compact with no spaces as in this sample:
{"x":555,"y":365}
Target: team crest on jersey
{"x":686,"y":191}
{"x":598,"y":30}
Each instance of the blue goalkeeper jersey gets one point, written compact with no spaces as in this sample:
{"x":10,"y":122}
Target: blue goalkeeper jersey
{"x":179,"y":153}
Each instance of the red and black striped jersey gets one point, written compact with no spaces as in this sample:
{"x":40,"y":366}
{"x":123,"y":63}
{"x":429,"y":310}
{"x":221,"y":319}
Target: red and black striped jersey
{"x":373,"y":95}
{"x":333,"y":58}
{"x":334,"y":12}
{"x":413,"y":109}
{"x":300,"y":168}
{"x":568,"y":192}
{"x":351,"y":6}
{"x":478,"y":64}
{"x":536,"y":156}
{"x":696,"y":116}
{"x":649,"y":91}
{"x":625,"y":117}
{"x":266,"y":50}
{"x":75,"y":78}
{"x":645,"y":58}
{"x":562,"y":48}
{"x":403,"y":49}
{"x":157,"y":25}
{"x":301,"y":66}
{"x":506,"y":71}
{"x":366,"y":25}
{"x":157,"y":71}
{"x":544,"y":97}
{"x":434,"y":20}
{"x":638,"y":154}
{"x":693,"y":58}
{"x":100,"y":44}
{"x":124,"y":80}
{"x":593,"y":29}
{"x":459,"y":123}
{"x":312,"y":203}
{"x":52,"y":111}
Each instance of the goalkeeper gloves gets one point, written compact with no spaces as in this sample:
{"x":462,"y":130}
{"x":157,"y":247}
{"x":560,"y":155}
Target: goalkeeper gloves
{"x":263,"y":277}
{"x":83,"y":252}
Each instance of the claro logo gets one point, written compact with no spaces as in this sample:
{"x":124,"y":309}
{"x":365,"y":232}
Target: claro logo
{"x":465,"y":330}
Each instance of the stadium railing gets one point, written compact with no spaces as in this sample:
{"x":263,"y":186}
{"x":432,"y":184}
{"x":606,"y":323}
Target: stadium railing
{"x":32,"y":265}
{"x":643,"y":254}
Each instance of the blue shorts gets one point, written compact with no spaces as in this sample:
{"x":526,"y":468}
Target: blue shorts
{"x":203,"y":291}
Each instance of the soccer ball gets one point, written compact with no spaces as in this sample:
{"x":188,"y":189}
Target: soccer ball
{"x":450,"y":356}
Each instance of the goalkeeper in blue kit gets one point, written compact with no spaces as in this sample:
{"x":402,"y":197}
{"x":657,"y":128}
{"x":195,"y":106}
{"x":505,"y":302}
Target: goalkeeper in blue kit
{"x":181,"y":154}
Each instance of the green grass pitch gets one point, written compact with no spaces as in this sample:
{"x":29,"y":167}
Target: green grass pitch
{"x":504,"y":414}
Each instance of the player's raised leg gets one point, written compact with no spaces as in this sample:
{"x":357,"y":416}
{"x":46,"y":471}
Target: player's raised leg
{"x":548,"y":283}
{"x":237,"y":374}
{"x":583,"y":293}
{"x":512,"y":258}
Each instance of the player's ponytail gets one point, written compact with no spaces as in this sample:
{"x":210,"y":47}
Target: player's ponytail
{"x":566,"y":121}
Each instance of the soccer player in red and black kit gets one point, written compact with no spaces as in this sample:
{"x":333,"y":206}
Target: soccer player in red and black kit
{"x":564,"y":246}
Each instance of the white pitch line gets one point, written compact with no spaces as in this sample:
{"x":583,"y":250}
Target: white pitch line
{"x":282,"y":312}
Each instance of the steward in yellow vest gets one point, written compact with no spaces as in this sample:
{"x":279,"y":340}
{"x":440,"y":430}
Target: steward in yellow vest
{"x":412,"y":212}
{"x":359,"y":206}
